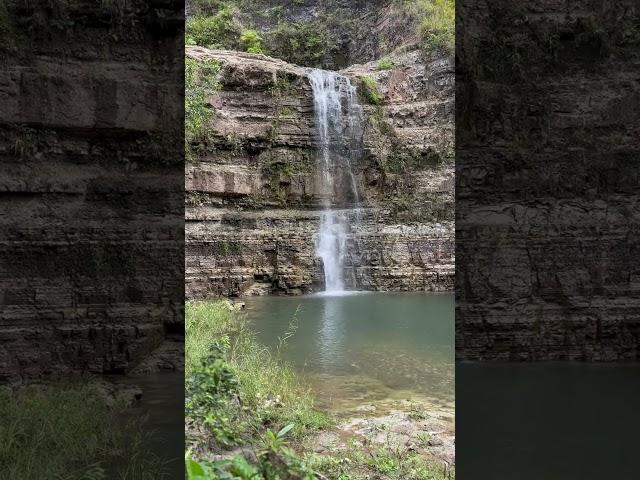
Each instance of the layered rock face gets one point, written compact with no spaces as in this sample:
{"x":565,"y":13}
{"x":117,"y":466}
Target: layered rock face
{"x":91,"y":216}
{"x":547,"y":181}
{"x":254,"y":196}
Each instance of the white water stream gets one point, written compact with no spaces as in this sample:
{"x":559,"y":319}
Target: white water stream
{"x":337,"y":116}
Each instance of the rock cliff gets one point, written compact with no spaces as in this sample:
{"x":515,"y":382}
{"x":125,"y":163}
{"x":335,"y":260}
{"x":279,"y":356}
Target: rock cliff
{"x":547,"y":181}
{"x":253,"y":196}
{"x":91,"y":183}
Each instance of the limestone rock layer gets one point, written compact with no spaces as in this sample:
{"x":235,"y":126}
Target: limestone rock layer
{"x":253,"y":194}
{"x":91,"y":193}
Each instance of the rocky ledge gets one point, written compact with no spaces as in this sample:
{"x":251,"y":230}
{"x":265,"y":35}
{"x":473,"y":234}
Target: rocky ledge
{"x":253,"y":196}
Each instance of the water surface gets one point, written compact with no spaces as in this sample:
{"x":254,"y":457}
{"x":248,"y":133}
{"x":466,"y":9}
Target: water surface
{"x":548,"y":420}
{"x":162,"y":410}
{"x":363,"y":348}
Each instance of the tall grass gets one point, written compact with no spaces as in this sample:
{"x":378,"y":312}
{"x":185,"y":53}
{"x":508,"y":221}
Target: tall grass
{"x":205,"y":324}
{"x":267,"y":386}
{"x":68,"y":432}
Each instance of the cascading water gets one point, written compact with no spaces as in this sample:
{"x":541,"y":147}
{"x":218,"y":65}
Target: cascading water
{"x":337,"y":116}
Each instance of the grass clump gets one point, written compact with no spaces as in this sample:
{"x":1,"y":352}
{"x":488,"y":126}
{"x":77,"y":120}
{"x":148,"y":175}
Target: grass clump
{"x":252,"y":41}
{"x":385,"y":64}
{"x":273,"y":459}
{"x":206,"y":324}
{"x":69,"y":432}
{"x":201,"y":80}
{"x":369,"y":91}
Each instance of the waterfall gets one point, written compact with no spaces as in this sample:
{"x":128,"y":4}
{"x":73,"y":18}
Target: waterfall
{"x":338,"y":128}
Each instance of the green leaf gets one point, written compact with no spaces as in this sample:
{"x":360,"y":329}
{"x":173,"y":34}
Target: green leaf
{"x":194,"y":470}
{"x":285,"y":430}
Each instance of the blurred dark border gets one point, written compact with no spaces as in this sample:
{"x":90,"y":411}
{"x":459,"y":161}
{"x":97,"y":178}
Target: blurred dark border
{"x":547,"y":251}
{"x":92,"y":193}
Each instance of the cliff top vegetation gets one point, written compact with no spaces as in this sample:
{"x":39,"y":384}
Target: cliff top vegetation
{"x":333,"y":36}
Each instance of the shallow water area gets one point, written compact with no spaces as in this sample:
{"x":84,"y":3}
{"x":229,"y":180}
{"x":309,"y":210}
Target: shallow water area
{"x":363,"y":349}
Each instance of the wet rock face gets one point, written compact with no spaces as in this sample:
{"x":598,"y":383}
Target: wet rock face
{"x":254,"y":196}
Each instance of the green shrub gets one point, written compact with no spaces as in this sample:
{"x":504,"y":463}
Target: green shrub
{"x":299,"y":43}
{"x":438,"y":26}
{"x":217,"y":31}
{"x":237,"y":468}
{"x":251,"y":41}
{"x":385,"y":64}
{"x":369,"y":91}
{"x":209,"y":394}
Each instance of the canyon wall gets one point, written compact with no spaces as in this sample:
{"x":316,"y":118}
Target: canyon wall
{"x":547,"y":208}
{"x":91,"y":160}
{"x":253,"y":196}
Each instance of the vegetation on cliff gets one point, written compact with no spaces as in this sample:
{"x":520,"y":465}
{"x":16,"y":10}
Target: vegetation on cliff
{"x":252,"y":41}
{"x":214,"y":31}
{"x":333,"y":36}
{"x":300,"y":43}
{"x":438,"y":27}
{"x":369,"y":91}
{"x":201,"y":80}
{"x":385,"y":64}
